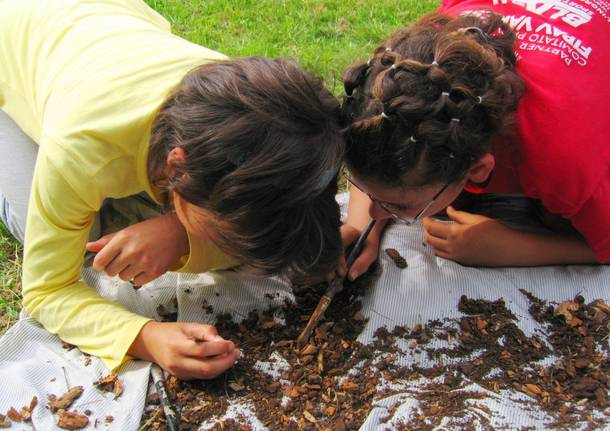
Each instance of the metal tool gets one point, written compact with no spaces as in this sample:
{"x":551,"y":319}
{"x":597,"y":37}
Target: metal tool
{"x":334,"y":287}
{"x":168,"y":409}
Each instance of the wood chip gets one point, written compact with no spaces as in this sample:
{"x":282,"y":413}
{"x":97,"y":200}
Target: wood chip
{"x":309,"y":417}
{"x":14,"y":415}
{"x":66,"y":400}
{"x":398,"y":260}
{"x":565,"y":309}
{"x":5,"y":422}
{"x":72,"y":420}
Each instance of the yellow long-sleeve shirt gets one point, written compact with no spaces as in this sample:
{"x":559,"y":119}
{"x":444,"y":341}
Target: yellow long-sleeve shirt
{"x":84,"y":79}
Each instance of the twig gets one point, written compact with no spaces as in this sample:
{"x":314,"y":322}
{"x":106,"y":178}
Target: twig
{"x":150,"y":421}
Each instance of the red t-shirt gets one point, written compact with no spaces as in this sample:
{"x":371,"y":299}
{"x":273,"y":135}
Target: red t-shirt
{"x":563,"y":52}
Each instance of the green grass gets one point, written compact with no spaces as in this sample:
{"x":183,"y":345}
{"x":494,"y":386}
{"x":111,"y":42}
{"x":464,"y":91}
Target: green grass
{"x":323,"y":36}
{"x":10,"y":279}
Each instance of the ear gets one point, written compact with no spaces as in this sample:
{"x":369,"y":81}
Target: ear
{"x":479,"y":172}
{"x":174,"y":158}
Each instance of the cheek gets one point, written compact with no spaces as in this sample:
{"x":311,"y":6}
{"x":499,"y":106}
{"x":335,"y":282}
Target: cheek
{"x":194,"y":223}
{"x":378,"y":213}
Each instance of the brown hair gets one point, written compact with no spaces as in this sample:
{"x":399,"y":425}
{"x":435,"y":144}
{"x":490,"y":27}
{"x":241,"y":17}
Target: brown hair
{"x":263,"y":145}
{"x":430,"y":100}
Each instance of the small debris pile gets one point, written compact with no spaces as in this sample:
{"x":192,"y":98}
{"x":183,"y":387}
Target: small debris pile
{"x":333,"y":382}
{"x":69,"y":420}
{"x":494,"y":353}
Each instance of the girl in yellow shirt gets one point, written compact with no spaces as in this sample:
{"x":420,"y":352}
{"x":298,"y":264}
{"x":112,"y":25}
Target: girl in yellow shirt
{"x":241,"y":153}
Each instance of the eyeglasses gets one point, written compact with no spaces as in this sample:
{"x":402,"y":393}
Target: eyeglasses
{"x":394,"y":209}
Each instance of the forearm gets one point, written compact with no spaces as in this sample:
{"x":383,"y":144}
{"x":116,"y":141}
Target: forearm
{"x":81,"y":317}
{"x":535,"y":249}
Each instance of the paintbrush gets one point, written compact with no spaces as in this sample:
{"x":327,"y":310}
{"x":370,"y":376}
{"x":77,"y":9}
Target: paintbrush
{"x":334,"y":287}
{"x":170,"y":413}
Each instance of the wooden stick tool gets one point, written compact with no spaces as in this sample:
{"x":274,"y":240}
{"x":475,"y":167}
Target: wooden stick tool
{"x":334,"y":287}
{"x":168,"y":408}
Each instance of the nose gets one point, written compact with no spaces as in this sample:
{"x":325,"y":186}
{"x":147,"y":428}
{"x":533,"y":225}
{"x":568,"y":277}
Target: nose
{"x":378,"y":213}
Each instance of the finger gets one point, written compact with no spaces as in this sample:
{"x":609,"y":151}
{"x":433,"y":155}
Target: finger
{"x":118,"y":265}
{"x":204,"y":349}
{"x":437,"y":244}
{"x":436,"y":228}
{"x":96,"y":246}
{"x":142,"y":278}
{"x":364,"y":261}
{"x":443,"y":254}
{"x":145,"y":277}
{"x":104,"y":257}
{"x":462,"y":217}
{"x":208,"y":368}
{"x":129,"y":273}
{"x":200,"y":332}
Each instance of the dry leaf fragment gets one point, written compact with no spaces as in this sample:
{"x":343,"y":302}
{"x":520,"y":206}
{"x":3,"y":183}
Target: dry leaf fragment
{"x":309,"y":349}
{"x":575,"y":322}
{"x":309,"y":417}
{"x":72,"y":420}
{"x":601,"y":305}
{"x":565,"y":309}
{"x":14,"y":415}
{"x":236,"y":386}
{"x":4,"y":422}
{"x":267,"y":325}
{"x":330,"y":410}
{"x":65,"y":400}
{"x":348,"y":385}
{"x":320,"y":361}
{"x":533,"y":388}
{"x":481,"y":324}
{"x":110,"y":383}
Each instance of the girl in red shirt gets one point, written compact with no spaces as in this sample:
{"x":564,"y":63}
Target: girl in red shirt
{"x":502,"y":96}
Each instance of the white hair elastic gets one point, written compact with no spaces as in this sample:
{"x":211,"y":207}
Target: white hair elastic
{"x":445,"y":94}
{"x":451,"y":156}
{"x":384,"y":115}
{"x":455,"y":120}
{"x":434,"y":63}
{"x":412,"y":139}
{"x":393,"y":67}
{"x":480,"y":100}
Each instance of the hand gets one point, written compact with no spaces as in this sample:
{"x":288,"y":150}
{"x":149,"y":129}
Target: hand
{"x":143,"y":251}
{"x":186,"y":350}
{"x":472,"y":240}
{"x":368,"y":255}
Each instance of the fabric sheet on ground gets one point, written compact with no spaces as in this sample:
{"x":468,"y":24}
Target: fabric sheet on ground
{"x":33,"y":362}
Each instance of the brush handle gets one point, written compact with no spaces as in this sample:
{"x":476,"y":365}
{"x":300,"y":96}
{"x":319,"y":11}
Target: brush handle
{"x":359,"y":244}
{"x":166,"y":404}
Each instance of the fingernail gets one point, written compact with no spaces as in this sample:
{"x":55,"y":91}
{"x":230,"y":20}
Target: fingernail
{"x":353,"y":275}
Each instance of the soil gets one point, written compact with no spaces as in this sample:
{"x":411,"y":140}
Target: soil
{"x":334,"y":382}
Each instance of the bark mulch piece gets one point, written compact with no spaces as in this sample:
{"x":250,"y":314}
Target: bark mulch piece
{"x":333,"y":382}
{"x":398,"y":260}
{"x":71,"y":420}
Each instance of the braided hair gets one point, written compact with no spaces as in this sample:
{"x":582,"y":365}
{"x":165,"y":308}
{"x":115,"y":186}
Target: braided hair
{"x":426,"y":106}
